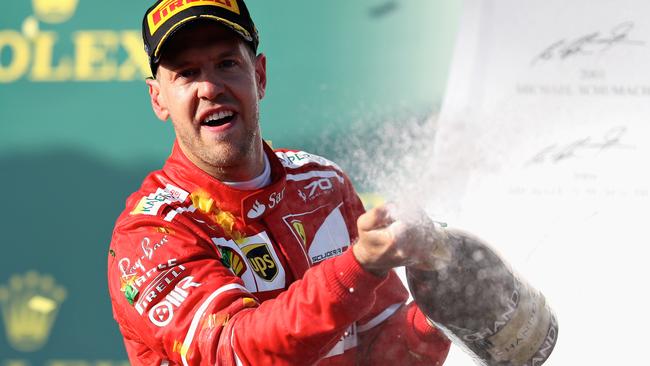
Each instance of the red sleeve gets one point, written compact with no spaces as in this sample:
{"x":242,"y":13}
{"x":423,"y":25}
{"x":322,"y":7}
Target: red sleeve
{"x":405,"y":338}
{"x":176,"y":303}
{"x":392,"y":332}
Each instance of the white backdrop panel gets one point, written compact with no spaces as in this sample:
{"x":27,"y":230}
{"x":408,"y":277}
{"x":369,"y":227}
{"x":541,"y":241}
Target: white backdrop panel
{"x":543,"y":150}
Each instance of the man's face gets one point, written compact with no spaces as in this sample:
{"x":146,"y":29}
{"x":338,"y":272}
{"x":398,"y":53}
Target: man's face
{"x":209,"y":83}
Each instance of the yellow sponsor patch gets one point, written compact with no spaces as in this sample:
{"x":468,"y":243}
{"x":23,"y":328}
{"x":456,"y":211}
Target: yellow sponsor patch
{"x":140,"y":207}
{"x":167,"y":9}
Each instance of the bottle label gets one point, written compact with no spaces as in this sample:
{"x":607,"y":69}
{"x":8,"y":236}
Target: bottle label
{"x":547,"y":347}
{"x":522,"y":338}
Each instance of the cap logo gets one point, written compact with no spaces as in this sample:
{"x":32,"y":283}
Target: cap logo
{"x":168,"y":8}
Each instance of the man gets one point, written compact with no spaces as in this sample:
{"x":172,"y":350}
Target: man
{"x":235,"y":254}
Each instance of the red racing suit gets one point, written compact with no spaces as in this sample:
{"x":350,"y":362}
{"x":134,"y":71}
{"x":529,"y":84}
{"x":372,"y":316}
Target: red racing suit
{"x":201,"y":273}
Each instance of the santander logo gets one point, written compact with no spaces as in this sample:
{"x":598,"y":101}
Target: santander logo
{"x":257,"y":210}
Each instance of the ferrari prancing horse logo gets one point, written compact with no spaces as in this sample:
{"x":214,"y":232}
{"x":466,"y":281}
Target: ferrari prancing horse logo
{"x":300,"y":230}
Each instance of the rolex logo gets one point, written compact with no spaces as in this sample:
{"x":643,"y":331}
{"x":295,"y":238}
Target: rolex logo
{"x":29,"y":305}
{"x":54,"y":11}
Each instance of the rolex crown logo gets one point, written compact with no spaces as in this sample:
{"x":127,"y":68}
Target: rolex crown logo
{"x":29,"y":305}
{"x":54,"y":11}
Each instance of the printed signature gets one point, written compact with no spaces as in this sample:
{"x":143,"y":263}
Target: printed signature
{"x":589,"y":44}
{"x":556,"y":153}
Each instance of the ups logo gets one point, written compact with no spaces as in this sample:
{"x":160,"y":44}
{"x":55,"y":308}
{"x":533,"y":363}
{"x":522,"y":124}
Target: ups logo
{"x":261,"y":261}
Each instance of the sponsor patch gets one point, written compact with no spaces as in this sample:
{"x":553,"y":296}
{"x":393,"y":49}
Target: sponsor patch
{"x":232,"y":260}
{"x":331,"y":239}
{"x":148,"y":248}
{"x":130,"y":270}
{"x":296,"y":159}
{"x":323,"y":232}
{"x":315,"y":189}
{"x":329,"y":254}
{"x":151,"y":204}
{"x":261,"y":268}
{"x":260,"y":259}
{"x":131,"y":283}
{"x":157,"y":287}
{"x":167,"y":9}
{"x":162,"y":313}
{"x":130,"y":292}
{"x":256,"y":211}
{"x":269,"y":202}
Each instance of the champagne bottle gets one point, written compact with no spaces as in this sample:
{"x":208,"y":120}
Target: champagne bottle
{"x":483,"y":307}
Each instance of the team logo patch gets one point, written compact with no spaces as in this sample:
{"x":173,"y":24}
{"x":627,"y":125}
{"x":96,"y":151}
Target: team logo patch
{"x":300,"y":230}
{"x":167,"y":9}
{"x":232,"y":260}
{"x":261,"y":261}
{"x":323,"y":232}
{"x":261,"y":269}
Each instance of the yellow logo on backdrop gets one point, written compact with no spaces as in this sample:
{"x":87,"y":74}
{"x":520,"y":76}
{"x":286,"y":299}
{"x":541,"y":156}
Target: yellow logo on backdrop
{"x":30,"y":304}
{"x":99,"y":55}
{"x":54,"y":11}
{"x":167,"y":9}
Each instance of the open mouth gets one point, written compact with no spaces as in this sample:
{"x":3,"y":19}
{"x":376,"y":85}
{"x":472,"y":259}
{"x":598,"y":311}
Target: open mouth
{"x":219,"y":119}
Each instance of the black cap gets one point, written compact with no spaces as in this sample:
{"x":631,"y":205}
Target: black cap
{"x":166,"y":17}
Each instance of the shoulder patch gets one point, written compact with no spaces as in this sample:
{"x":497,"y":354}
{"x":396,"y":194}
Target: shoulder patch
{"x":151,"y":204}
{"x":297,"y":159}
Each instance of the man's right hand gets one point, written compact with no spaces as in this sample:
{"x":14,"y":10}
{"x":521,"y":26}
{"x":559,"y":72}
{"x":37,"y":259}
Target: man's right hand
{"x":385,"y":243}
